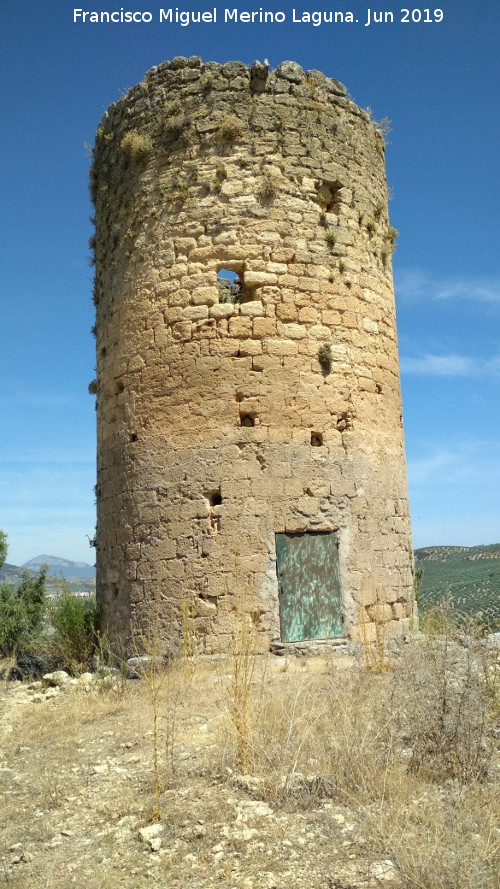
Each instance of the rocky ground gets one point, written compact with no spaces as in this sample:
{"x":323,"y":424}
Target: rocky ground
{"x":76,"y":780}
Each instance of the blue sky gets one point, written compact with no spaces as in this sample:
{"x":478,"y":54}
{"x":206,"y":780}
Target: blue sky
{"x":438,"y":84}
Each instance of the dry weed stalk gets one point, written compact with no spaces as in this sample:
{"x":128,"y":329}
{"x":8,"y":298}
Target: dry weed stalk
{"x":187,"y":638}
{"x":159,"y":679}
{"x":243,"y":669}
{"x":243,"y":659}
{"x":374,"y":650}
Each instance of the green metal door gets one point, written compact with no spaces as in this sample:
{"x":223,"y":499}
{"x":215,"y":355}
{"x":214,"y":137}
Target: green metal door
{"x":309,"y":586}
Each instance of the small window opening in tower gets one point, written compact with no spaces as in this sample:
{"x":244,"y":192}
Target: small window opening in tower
{"x":344,"y":422}
{"x":247,"y":420}
{"x":214,"y":501}
{"x":215,"y":498}
{"x":330,"y":195}
{"x":229,"y":286}
{"x":316,"y":439}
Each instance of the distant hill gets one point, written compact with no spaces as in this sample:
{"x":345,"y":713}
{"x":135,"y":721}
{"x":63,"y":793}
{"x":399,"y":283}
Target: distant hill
{"x":468,"y":575}
{"x":78,"y":576}
{"x":12,"y":574}
{"x":58,"y":567}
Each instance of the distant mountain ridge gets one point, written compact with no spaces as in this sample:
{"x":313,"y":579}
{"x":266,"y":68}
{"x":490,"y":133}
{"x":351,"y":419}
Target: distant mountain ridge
{"x":59,"y":566}
{"x":457,"y":553}
{"x":12,"y":574}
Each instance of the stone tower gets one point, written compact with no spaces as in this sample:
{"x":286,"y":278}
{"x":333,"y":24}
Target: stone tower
{"x":250,"y":445}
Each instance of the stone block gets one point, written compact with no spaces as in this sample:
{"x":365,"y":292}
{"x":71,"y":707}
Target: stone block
{"x":320,"y":332}
{"x":222,"y":310}
{"x":331,"y":318}
{"x":224,"y":347}
{"x":290,"y":71}
{"x":263,"y":327}
{"x":204,"y":296}
{"x":259,"y":279}
{"x":204,"y":607}
{"x":369,"y":325}
{"x":381,"y":612}
{"x":250,"y":347}
{"x":287,"y":312}
{"x":349,"y":320}
{"x":281,"y":347}
{"x":277,"y":268}
{"x":240,"y":327}
{"x":399,"y":611}
{"x":136,"y":363}
{"x":195,"y":313}
{"x":308,"y":314}
{"x":183,"y":246}
{"x":181,"y":330}
{"x":253,"y":309}
{"x":230,"y":188}
{"x":364,"y":633}
{"x":292,"y":331}
{"x":262,"y":363}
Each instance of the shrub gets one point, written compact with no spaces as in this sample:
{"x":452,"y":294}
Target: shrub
{"x":382,"y":128}
{"x":446,"y":725}
{"x":174,"y":126}
{"x":172,"y":108}
{"x":325,"y":357}
{"x":331,"y":240}
{"x":390,"y":236}
{"x":230,"y":128}
{"x":21,"y":614}
{"x":206,"y":82}
{"x":74,"y":620}
{"x":136,"y":145}
{"x":220,"y":176}
{"x":268,"y":189}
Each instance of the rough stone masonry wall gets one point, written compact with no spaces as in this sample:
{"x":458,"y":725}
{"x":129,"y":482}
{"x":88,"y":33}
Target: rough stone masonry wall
{"x":279,"y":177}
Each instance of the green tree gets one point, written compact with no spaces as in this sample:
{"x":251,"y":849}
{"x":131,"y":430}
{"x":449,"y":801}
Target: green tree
{"x":21,"y":609}
{"x":3,"y":547}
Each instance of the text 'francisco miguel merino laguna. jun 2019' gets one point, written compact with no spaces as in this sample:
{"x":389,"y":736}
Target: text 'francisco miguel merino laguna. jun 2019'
{"x":316,"y":18}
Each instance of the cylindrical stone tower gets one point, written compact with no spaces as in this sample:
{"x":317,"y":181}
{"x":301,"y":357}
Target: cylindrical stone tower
{"x":250,"y":446}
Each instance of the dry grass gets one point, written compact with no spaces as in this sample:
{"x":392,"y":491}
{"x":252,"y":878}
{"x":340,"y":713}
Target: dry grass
{"x":230,"y":128}
{"x":413,"y":751}
{"x":136,"y":145}
{"x":442,"y":838}
{"x":318,"y":741}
